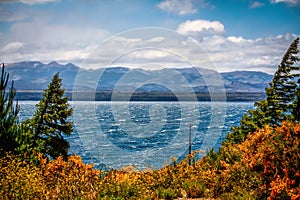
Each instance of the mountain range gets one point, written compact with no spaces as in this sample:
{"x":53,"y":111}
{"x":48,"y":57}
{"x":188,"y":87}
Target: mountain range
{"x":35,"y":76}
{"x":32,"y":77}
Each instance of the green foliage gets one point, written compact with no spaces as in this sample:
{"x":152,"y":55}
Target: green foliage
{"x":250,"y":122}
{"x":194,"y":189}
{"x":44,"y":132}
{"x":282,"y":90}
{"x":8,"y":115}
{"x":50,"y":121}
{"x":282,"y":100}
{"x":296,"y":105}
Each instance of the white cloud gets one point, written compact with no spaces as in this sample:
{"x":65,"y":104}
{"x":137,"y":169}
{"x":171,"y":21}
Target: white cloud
{"x":157,"y":39}
{"x":55,"y":36}
{"x":238,"y":40}
{"x":200,"y":28}
{"x":44,"y":42}
{"x":289,"y":2}
{"x":227,"y":52}
{"x":237,"y":53}
{"x":149,"y":54}
{"x":31,"y":2}
{"x":261,"y":60}
{"x":256,"y":4}
{"x":47,"y":42}
{"x":181,"y":7}
{"x":12,"y":47}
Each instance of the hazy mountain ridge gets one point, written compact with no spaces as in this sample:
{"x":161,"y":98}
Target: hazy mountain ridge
{"x":36,"y":76}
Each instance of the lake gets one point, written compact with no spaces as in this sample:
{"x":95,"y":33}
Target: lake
{"x":146,"y":134}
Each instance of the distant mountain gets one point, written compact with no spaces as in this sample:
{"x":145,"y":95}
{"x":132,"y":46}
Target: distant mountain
{"x":36,"y":76}
{"x":246,"y":81}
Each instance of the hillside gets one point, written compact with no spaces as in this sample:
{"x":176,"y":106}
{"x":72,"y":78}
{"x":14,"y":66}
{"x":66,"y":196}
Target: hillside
{"x":33,"y":77}
{"x":36,"y":76}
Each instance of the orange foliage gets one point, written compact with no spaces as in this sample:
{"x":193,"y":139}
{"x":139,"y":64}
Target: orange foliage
{"x":265,"y":165}
{"x":275,"y":154}
{"x":70,"y":178}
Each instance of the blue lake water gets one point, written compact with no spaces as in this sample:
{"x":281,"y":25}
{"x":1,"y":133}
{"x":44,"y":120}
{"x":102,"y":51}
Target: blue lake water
{"x":146,"y":134}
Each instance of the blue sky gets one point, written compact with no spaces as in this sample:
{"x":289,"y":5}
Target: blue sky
{"x":236,"y":34}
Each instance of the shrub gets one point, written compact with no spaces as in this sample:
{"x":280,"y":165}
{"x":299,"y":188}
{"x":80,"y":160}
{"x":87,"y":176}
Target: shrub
{"x":20,"y":179}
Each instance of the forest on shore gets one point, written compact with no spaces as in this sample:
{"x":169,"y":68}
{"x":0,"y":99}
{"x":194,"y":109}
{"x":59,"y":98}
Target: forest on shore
{"x":259,"y":159}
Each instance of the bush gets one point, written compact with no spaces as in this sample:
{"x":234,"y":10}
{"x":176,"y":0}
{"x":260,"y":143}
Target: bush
{"x":265,"y":166}
{"x":20,"y":179}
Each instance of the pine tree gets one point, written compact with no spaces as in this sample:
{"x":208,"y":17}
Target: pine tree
{"x":282,"y":100}
{"x":8,"y":115}
{"x":282,"y":90}
{"x":296,"y":104}
{"x":250,"y":122}
{"x":50,"y":121}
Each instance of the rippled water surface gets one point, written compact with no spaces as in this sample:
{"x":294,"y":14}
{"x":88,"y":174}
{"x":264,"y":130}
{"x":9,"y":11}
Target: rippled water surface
{"x":146,"y":133}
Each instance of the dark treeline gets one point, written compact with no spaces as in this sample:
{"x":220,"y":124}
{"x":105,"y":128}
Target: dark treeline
{"x":145,"y":96}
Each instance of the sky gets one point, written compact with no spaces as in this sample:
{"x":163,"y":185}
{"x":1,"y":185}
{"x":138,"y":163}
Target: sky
{"x":233,"y":34}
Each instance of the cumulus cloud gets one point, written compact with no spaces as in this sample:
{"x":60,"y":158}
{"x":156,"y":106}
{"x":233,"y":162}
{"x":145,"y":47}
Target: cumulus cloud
{"x":201,"y":28}
{"x":46,"y":42}
{"x":238,"y":53}
{"x":228,"y":53}
{"x":289,"y":2}
{"x":238,"y":40}
{"x":181,"y":7}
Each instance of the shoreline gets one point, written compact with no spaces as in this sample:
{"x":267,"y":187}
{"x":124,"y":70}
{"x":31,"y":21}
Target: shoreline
{"x":32,"y":95}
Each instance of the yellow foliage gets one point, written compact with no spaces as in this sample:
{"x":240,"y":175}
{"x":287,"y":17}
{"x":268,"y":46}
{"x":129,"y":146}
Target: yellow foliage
{"x":266,"y":164}
{"x":20,"y":179}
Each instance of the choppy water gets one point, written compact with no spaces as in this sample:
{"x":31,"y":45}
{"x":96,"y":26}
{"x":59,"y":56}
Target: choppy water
{"x":146,"y":133}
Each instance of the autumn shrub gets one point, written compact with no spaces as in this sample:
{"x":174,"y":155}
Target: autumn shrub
{"x":20,"y":179}
{"x":194,"y":189}
{"x":71,"y":178}
{"x":117,"y":184}
{"x":165,"y":193}
{"x":276,"y":157}
{"x":50,"y":179}
{"x":264,"y":166}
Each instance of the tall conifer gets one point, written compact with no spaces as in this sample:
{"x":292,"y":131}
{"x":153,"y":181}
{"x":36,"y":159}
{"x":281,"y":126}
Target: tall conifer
{"x":282,"y":90}
{"x":296,"y":104}
{"x":8,"y":114}
{"x":50,"y":121}
{"x":282,"y":100}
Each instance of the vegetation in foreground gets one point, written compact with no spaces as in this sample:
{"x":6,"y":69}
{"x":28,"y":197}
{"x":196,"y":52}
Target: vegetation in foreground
{"x":264,"y":166}
{"x":260,"y":159}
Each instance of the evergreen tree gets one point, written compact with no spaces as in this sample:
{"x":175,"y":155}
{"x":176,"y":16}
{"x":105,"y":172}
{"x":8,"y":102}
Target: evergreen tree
{"x":296,"y":105}
{"x":8,"y":115}
{"x":282,"y":90}
{"x":250,"y":122}
{"x":282,"y":100}
{"x":50,"y":121}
